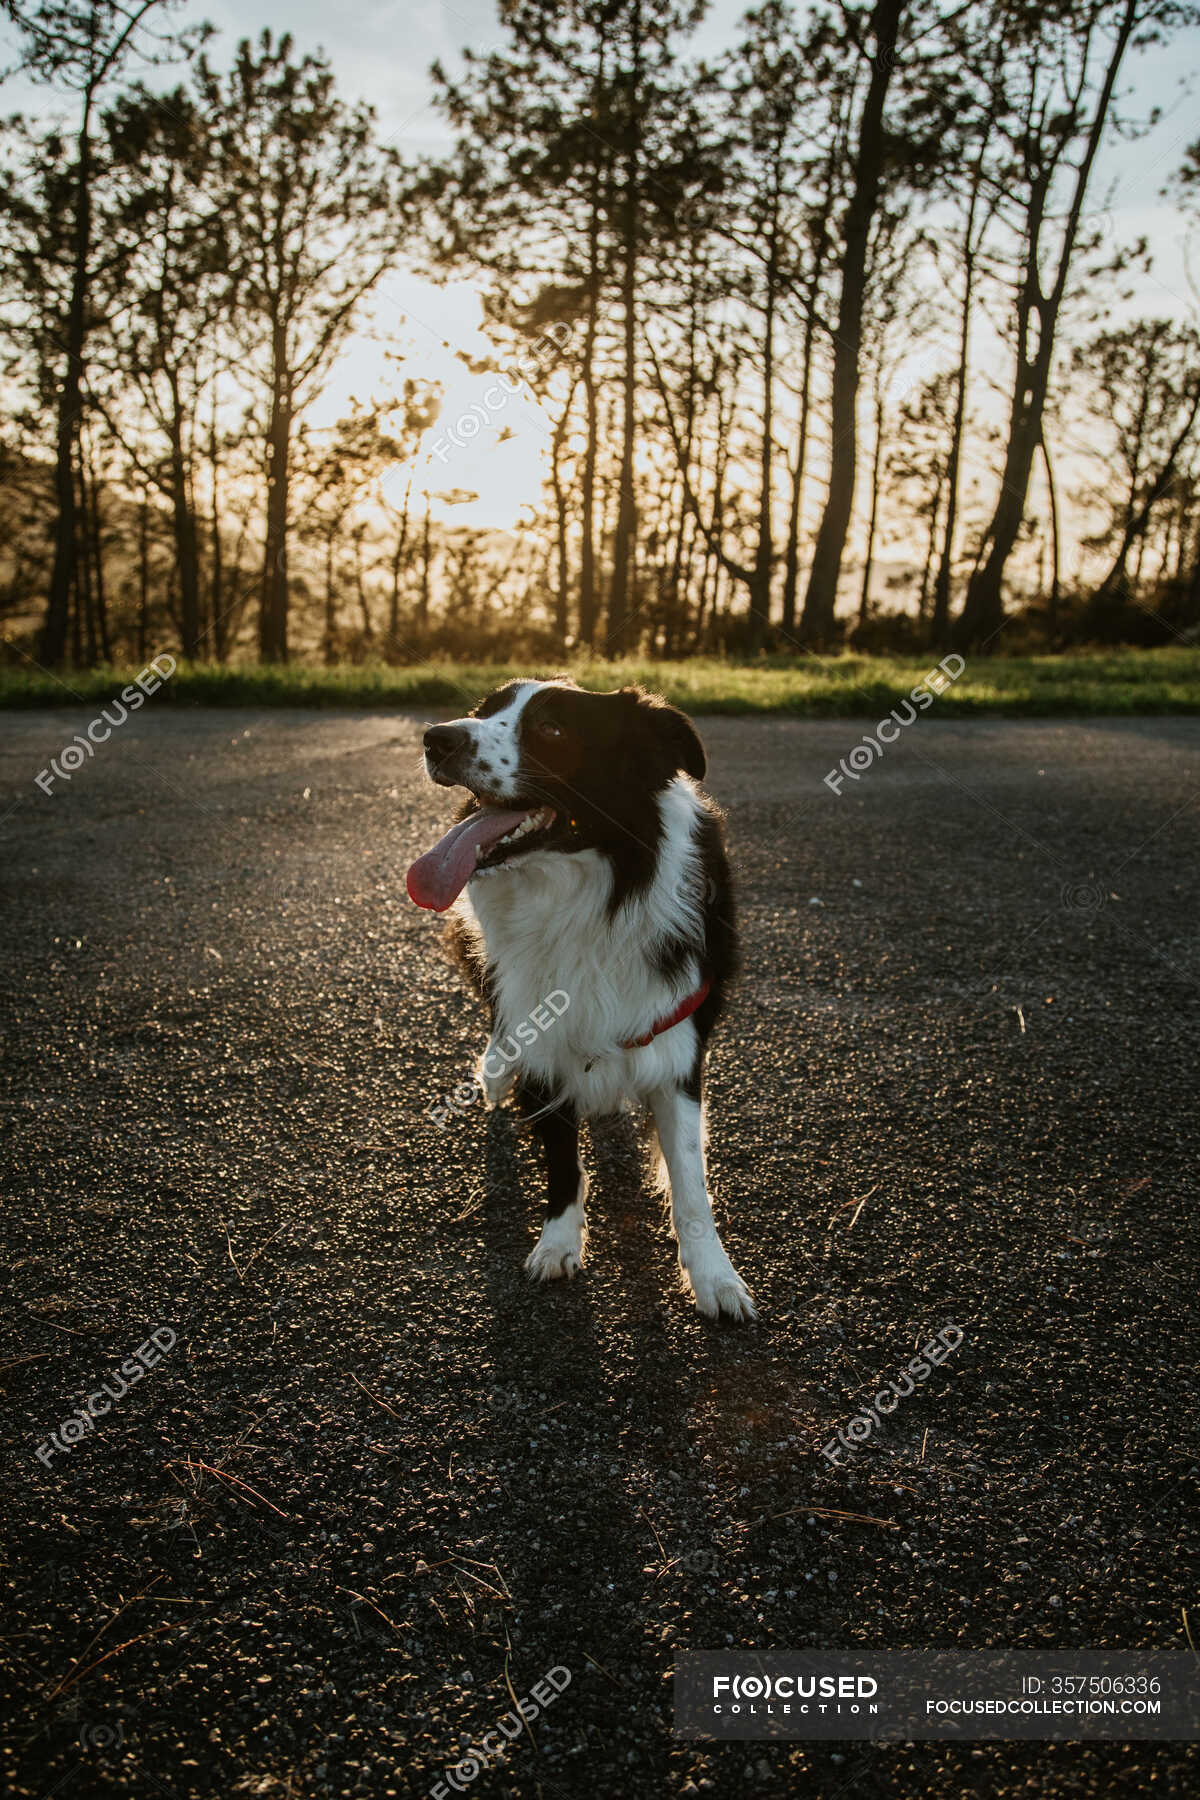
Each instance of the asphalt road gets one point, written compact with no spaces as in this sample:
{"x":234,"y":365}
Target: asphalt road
{"x":379,"y":1485}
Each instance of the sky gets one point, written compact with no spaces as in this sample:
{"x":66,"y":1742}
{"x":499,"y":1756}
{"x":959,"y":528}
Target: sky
{"x":381,"y":51}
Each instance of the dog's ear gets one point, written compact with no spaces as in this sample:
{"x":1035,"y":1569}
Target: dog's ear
{"x":673,"y":732}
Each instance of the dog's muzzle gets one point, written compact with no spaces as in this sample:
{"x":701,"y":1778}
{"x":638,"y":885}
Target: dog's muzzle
{"x":448,"y":750}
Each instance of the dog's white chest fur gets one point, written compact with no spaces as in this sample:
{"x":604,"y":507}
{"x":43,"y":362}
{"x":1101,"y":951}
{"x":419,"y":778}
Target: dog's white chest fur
{"x":544,"y":929}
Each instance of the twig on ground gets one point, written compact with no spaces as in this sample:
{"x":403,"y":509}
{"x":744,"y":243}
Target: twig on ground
{"x":96,"y":1636}
{"x":373,"y":1607}
{"x":479,"y":1578}
{"x":42,"y":1320}
{"x":375,"y":1397}
{"x":229,"y":1248}
{"x":262,"y":1247}
{"x":825,"y":1512}
{"x":142,"y":1637}
{"x":512,"y":1694}
{"x":661,"y":1548}
{"x":194,"y":1462}
{"x":615,"y":1679}
{"x":857,"y":1202}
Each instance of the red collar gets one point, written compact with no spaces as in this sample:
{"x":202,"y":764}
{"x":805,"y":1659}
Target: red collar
{"x":683,"y":1011}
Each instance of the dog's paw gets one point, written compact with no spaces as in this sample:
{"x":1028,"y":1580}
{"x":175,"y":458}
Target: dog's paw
{"x":558,"y":1253}
{"x":553,"y":1262}
{"x":730,"y":1297}
{"x":718,"y":1288}
{"x":498,"y":1085}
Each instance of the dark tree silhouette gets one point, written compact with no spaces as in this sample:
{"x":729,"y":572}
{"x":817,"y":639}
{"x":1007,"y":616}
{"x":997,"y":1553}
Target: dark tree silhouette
{"x":163,"y":342}
{"x":870,"y":154}
{"x":1146,"y":380}
{"x":1052,"y":101}
{"x":79,"y":46}
{"x":315,"y":211}
{"x":694,"y":271}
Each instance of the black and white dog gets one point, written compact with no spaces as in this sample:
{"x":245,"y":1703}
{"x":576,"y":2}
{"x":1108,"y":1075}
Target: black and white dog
{"x":588,"y":865}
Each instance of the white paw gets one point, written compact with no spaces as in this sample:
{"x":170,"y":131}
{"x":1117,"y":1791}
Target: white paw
{"x":716,"y":1285}
{"x":495,"y":1076}
{"x":558,"y":1253}
{"x":726,"y":1294}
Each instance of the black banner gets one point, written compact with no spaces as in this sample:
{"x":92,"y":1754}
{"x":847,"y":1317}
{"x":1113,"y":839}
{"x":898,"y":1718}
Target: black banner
{"x":1061,"y":1695}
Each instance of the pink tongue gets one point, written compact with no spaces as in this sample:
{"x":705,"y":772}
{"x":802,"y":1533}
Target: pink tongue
{"x":437,"y":879}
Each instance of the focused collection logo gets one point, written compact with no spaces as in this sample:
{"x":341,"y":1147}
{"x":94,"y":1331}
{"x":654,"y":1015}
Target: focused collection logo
{"x":770,"y":1695}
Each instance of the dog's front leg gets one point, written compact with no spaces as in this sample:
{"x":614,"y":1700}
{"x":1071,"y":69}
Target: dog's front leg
{"x":559,"y":1250}
{"x":496,"y":1069}
{"x":715,"y":1283}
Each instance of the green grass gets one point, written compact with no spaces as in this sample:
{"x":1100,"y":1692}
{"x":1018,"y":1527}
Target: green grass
{"x":1124,"y":681}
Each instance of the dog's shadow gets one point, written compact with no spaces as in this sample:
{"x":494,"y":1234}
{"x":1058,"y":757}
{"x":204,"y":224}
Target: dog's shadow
{"x":606,"y":1356}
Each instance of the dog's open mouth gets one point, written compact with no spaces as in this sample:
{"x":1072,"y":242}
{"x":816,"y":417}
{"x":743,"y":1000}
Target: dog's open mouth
{"x":486,"y":839}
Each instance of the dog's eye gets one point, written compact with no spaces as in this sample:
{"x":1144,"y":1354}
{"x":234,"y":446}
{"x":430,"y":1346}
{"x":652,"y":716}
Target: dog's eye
{"x":548,"y":729}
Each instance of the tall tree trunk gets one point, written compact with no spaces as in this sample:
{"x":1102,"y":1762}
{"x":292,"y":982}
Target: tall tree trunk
{"x":216,"y":599}
{"x":791,"y":566}
{"x":588,"y":607}
{"x":791,"y":551}
{"x":626,"y":529}
{"x":77,"y":622}
{"x":187,"y":552}
{"x":329,"y":641}
{"x":680,"y":518}
{"x":864,"y":601}
{"x":398,"y":551}
{"x":935,"y":508}
{"x":143,"y":623}
{"x":273,"y":610}
{"x":983,"y":609}
{"x":626,"y":532}
{"x":812,"y":293}
{"x":820,"y":601}
{"x":714,"y":563}
{"x":941,"y":588}
{"x":764,"y":559}
{"x":360,"y":586}
{"x":426,"y":562}
{"x":1055,"y":560}
{"x":562,"y":582}
{"x":95,"y":540}
{"x":83,"y":563}
{"x":52,"y":639}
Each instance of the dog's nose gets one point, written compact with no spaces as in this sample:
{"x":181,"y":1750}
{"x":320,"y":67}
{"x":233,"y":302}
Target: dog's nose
{"x":443,"y":740}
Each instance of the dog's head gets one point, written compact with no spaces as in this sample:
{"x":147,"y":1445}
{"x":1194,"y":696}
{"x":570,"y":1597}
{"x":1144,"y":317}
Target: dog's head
{"x":551,"y":768}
